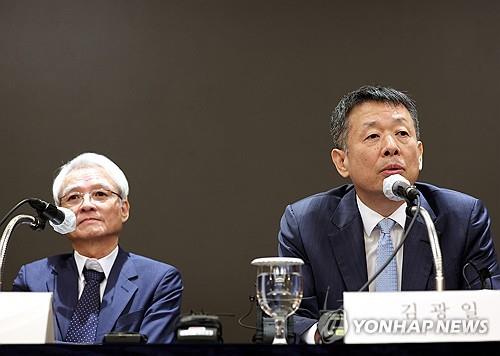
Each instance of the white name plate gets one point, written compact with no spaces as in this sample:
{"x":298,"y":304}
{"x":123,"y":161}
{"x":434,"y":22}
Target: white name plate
{"x":411,"y":317}
{"x":26,"y":318}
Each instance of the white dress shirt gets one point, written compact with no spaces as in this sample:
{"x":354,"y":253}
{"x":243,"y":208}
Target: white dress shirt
{"x":371,"y":234}
{"x":106,"y":264}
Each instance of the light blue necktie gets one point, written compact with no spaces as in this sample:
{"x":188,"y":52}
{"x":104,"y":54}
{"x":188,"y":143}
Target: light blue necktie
{"x":387,"y":281}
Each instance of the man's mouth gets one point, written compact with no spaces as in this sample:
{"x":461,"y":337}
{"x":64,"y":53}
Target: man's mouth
{"x":87,"y":220}
{"x":391,"y":169}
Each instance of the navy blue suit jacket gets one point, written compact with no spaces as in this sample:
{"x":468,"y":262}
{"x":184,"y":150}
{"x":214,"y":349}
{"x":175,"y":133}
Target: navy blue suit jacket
{"x":326,"y":231}
{"x":141,"y":295}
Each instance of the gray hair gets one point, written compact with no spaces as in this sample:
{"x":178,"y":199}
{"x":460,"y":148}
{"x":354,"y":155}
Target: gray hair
{"x":339,"y":123}
{"x":86,"y":160}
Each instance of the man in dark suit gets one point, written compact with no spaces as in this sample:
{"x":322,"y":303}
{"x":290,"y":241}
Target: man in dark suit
{"x":132,"y":293}
{"x":338,"y":233}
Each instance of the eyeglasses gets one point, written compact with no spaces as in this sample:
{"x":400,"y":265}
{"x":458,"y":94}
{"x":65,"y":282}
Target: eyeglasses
{"x":100,"y":196}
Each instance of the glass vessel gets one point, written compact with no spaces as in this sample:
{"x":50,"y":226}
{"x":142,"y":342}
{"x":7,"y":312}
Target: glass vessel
{"x":279,"y":289}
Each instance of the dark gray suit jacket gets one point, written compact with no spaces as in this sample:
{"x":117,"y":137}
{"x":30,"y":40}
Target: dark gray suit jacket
{"x":326,"y":231}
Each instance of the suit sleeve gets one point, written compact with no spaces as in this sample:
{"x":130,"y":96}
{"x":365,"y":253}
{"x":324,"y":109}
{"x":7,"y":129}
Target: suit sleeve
{"x":290,"y":245}
{"x":480,"y":251}
{"x":160,"y":318}
{"x":20,"y":284}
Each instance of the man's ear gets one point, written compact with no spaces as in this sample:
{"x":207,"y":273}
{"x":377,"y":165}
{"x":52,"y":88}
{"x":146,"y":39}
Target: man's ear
{"x":341,"y":162}
{"x":125,"y":210}
{"x":420,"y":146}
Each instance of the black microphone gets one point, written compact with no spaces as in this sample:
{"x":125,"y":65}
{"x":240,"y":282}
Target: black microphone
{"x":397,"y":188}
{"x":47,"y":210}
{"x":62,"y":220}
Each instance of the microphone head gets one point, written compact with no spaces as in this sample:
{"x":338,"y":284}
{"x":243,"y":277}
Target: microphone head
{"x":46,"y":210}
{"x":53,"y":214}
{"x":67,"y":225}
{"x":388,"y":186}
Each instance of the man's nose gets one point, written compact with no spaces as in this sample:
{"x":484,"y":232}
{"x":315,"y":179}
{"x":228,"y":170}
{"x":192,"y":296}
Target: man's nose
{"x":87,"y":202}
{"x":390,"y":147}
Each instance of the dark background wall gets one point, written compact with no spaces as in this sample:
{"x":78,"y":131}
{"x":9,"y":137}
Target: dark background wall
{"x":218,"y":113}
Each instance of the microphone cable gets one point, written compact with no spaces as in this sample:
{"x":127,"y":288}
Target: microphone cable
{"x":240,"y":320}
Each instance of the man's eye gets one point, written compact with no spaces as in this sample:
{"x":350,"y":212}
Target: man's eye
{"x":403,"y":133}
{"x":100,"y":194}
{"x":72,"y":197}
{"x":372,"y":136}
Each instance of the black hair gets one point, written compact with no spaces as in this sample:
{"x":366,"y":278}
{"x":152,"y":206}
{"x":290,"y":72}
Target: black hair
{"x":339,"y":124}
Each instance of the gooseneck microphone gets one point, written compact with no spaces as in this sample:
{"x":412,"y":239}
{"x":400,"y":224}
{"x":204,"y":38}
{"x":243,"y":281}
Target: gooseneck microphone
{"x":397,"y":188}
{"x":47,"y":210}
{"x":61,"y":219}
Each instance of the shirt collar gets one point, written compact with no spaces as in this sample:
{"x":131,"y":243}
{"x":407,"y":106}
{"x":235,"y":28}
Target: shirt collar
{"x":371,"y":218}
{"x":105,"y":262}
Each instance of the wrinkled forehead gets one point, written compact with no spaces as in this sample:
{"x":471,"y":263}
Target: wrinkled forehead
{"x":85,"y":178}
{"x":369,"y":113}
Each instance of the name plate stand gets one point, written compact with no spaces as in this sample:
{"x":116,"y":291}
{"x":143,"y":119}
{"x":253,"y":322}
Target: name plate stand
{"x":421,"y":316}
{"x":26,"y":318}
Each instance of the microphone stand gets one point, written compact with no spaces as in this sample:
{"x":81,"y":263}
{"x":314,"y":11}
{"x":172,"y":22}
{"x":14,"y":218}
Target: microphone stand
{"x":436,"y":249}
{"x":35,"y":223}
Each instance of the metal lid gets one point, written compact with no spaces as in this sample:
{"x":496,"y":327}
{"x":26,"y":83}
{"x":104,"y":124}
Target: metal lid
{"x":277,"y":261}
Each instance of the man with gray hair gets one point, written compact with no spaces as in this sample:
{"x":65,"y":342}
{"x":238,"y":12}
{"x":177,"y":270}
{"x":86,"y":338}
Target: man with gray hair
{"x":100,"y":288}
{"x":346,"y":234}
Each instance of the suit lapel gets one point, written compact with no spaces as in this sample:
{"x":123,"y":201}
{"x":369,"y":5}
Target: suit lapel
{"x":119,"y":291}
{"x":417,"y":254}
{"x":64,"y":285}
{"x":347,"y":243}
